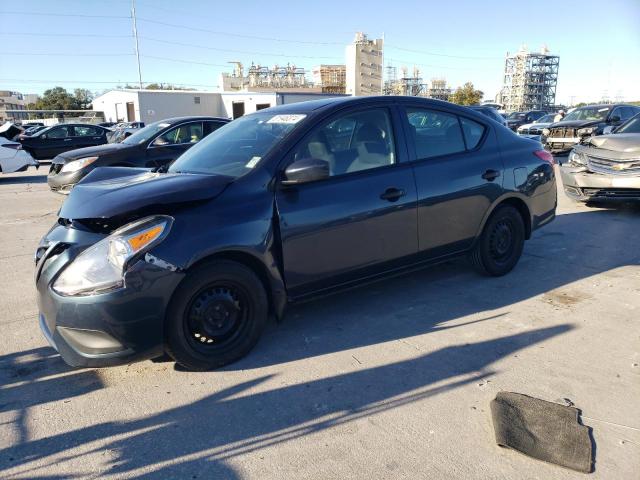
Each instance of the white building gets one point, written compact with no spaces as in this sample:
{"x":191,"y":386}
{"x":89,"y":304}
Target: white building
{"x":11,"y":101}
{"x":149,"y":106}
{"x":364,"y":66}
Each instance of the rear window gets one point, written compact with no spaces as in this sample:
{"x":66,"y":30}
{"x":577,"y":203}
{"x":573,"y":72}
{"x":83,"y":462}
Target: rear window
{"x":473,"y":132}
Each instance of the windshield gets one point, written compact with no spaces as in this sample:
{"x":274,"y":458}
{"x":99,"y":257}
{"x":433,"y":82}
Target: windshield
{"x":145,"y":133}
{"x":546,"y":119}
{"x":630,"y":126}
{"x":515,"y":116}
{"x":237,"y":147}
{"x":588,"y":113}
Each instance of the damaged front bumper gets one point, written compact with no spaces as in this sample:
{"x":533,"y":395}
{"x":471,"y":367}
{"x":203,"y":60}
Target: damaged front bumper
{"x":104,"y":329}
{"x":583,"y":185}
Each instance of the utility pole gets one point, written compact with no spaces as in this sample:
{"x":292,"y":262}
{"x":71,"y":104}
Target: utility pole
{"x":135,"y":36}
{"x":382,"y":67}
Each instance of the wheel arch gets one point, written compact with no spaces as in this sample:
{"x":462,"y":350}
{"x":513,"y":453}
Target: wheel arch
{"x":519,"y":204}
{"x":273,"y":285}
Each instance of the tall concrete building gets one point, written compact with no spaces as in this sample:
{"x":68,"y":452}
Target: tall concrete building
{"x":11,"y":101}
{"x":364,"y":66}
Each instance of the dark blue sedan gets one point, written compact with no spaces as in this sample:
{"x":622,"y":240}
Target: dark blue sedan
{"x":285,"y":204}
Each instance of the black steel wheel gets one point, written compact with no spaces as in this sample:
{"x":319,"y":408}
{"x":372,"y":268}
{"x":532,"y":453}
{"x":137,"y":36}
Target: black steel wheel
{"x":216,"y":315}
{"x":500,"y":245}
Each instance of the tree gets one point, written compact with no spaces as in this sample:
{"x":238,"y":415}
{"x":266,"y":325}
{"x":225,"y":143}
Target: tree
{"x":467,"y":95}
{"x":58,"y":98}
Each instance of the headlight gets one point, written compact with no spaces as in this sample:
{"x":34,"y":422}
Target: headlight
{"x":586,"y":131}
{"x":577,"y":158}
{"x":101,"y":267}
{"x":546,"y":132}
{"x":78,"y":164}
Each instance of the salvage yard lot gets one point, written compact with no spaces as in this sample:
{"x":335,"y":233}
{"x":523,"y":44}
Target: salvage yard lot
{"x":391,"y":380}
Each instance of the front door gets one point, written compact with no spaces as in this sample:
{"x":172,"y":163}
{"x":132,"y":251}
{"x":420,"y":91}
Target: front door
{"x":86,"y":136}
{"x":458,"y":173}
{"x":59,"y":139}
{"x":360,"y":220}
{"x":165,"y":148}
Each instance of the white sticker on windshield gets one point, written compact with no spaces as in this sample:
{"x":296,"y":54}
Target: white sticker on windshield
{"x":253,"y":162}
{"x":603,"y":109}
{"x":288,"y":119}
{"x":164,"y":125}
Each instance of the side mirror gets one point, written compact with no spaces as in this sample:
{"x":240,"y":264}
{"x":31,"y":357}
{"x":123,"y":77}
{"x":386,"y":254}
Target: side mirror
{"x":305,"y":171}
{"x":607,"y":130}
{"x":614,"y":119}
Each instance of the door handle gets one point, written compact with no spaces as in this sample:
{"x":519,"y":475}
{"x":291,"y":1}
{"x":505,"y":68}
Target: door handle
{"x":67,"y":139}
{"x":491,"y":175}
{"x":392,"y":194}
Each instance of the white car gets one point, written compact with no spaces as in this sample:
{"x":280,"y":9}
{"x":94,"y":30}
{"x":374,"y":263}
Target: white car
{"x":13,"y":158}
{"x":535,"y":129}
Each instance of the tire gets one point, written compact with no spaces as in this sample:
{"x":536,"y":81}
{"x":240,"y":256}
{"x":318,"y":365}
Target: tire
{"x":216,"y":315}
{"x":500,"y":245}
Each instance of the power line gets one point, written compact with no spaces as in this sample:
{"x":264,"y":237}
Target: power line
{"x":64,"y":15}
{"x":237,"y":35}
{"x":424,"y":52}
{"x":32,"y":34}
{"x":178,"y":60}
{"x":104,"y":82}
{"x":57,"y":54}
{"x":248,"y":52}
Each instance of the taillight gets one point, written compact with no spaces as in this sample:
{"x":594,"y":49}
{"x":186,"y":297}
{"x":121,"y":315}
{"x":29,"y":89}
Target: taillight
{"x":545,"y":156}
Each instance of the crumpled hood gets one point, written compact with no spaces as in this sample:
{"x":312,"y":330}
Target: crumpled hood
{"x":111,"y":191}
{"x":97,"y":151}
{"x":618,"y":142}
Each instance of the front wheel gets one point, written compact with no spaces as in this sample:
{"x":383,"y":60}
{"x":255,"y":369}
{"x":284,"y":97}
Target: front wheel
{"x":500,"y":245}
{"x":216,"y":315}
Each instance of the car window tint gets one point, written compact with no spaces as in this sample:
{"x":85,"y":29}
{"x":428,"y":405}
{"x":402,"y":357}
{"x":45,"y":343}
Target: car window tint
{"x":183,"y":134}
{"x":473,"y":132}
{"x":352,"y":142}
{"x":434,"y":133}
{"x":59,"y":132}
{"x":211,"y":127}
{"x":86,"y":131}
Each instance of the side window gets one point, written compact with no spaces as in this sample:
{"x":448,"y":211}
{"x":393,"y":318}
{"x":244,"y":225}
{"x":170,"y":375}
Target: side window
{"x":59,"y":132}
{"x":434,"y":133}
{"x":211,"y":127}
{"x":86,"y":131}
{"x":184,"y":134}
{"x":473,"y":132}
{"x":617,"y":112}
{"x":627,"y":113}
{"x":352,"y":142}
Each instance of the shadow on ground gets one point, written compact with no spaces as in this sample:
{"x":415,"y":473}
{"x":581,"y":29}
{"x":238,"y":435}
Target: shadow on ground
{"x":16,"y":179}
{"x":197,"y":438}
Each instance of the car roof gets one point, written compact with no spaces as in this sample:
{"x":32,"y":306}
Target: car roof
{"x":186,"y":118}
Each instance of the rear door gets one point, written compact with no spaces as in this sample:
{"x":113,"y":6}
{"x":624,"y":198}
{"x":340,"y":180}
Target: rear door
{"x":87,"y":136}
{"x":458,"y":173}
{"x":59,"y":139}
{"x":360,"y":220}
{"x":165,"y":148}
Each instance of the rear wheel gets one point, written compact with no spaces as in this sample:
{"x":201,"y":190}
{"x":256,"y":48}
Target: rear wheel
{"x":499,"y":247}
{"x":216,"y":315}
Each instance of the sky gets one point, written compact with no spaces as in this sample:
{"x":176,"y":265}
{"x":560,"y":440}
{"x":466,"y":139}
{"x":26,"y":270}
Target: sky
{"x":89,"y":43}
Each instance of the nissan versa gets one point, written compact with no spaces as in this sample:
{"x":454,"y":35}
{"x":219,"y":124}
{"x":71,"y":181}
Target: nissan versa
{"x":279,"y":206}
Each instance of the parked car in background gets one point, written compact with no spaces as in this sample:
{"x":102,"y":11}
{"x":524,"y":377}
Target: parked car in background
{"x":583,"y":123}
{"x":517,"y":119}
{"x":490,"y":112}
{"x":123,"y":130}
{"x":605,"y":167}
{"x":630,"y":126}
{"x":279,"y":206}
{"x":52,"y":141}
{"x":32,"y":130}
{"x":13,"y":158}
{"x":154,"y":146}
{"x":534,"y":129}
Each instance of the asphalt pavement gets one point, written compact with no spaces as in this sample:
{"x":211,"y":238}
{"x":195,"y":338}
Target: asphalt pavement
{"x":392,"y":380}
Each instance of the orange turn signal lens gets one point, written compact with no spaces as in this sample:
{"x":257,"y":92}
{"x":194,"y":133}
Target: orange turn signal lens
{"x":140,"y":240}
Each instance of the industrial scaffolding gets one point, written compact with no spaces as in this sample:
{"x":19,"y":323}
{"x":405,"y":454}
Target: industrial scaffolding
{"x":530,"y":81}
{"x":411,"y":85}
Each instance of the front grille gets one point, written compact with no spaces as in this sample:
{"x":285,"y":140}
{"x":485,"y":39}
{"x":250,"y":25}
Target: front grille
{"x":562,"y":133}
{"x":613,"y":167}
{"x":612,"y":192}
{"x":55,"y":168}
